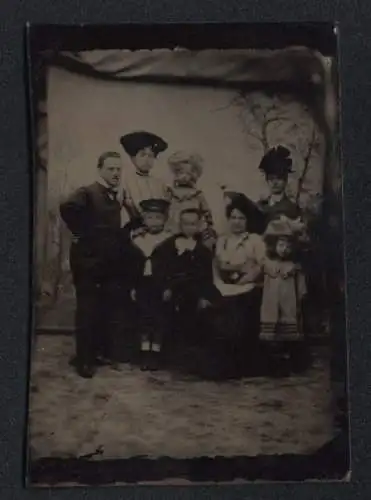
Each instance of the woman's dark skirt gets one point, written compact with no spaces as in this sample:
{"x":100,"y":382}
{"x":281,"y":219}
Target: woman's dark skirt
{"x":231,"y":335}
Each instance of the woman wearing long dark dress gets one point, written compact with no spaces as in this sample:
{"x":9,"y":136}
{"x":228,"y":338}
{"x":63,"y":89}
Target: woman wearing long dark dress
{"x":237,"y":274}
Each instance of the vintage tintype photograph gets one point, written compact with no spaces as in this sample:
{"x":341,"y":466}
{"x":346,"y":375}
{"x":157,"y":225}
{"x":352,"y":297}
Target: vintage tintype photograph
{"x":188,"y":307}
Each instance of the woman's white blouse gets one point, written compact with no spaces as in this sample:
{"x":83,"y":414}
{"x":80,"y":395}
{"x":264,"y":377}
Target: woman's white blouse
{"x":236,"y":252}
{"x":137,"y":188}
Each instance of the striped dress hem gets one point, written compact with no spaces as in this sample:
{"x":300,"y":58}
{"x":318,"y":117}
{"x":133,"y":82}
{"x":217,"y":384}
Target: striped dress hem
{"x":280,"y":332}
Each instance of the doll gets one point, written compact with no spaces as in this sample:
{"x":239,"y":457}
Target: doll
{"x":184,"y":194}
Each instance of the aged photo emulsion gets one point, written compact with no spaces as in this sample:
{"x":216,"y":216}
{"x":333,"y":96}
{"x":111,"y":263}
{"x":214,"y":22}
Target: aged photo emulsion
{"x":188,"y":298}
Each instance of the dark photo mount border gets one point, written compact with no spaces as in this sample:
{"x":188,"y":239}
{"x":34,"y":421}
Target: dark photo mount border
{"x":331,"y":462}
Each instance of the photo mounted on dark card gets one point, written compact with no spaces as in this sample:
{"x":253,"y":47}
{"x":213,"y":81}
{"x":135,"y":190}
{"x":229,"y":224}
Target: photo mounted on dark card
{"x":188,"y":299}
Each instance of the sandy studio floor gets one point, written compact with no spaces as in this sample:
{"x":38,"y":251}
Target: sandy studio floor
{"x":131,"y":413}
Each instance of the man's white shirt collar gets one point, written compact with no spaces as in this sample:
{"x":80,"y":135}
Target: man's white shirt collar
{"x":275,"y":198}
{"x":102,"y":182}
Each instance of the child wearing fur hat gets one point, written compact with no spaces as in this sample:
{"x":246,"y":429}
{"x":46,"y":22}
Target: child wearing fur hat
{"x":283,"y":293}
{"x":184,"y":195}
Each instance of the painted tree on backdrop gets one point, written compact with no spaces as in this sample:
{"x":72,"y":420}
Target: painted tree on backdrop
{"x":57,"y":276}
{"x":269,"y":120}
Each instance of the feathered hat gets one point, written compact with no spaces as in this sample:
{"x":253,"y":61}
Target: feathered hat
{"x":277,"y":161}
{"x":136,"y":141}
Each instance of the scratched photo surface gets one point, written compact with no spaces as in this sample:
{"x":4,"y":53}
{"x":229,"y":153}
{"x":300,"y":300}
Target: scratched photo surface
{"x":188,"y":272}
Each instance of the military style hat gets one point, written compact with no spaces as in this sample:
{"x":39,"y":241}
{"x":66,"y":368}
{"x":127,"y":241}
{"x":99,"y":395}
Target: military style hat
{"x":136,"y":141}
{"x":277,"y":161}
{"x":155,"y":205}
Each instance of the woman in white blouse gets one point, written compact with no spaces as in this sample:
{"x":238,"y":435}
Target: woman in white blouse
{"x":237,"y":271}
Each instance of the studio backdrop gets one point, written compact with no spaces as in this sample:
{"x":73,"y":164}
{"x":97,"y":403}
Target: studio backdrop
{"x":229,"y":106}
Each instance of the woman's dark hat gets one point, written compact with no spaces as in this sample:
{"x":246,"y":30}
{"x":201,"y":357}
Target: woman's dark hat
{"x":155,"y":205}
{"x":277,"y":161}
{"x":256,"y":219}
{"x":136,"y":141}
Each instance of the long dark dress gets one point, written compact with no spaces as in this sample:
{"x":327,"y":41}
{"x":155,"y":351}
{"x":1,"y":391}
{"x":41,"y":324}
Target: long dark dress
{"x":235,"y":317}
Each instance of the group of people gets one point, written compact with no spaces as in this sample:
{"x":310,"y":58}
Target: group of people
{"x":154,"y":280}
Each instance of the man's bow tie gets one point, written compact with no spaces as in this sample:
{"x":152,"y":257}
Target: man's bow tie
{"x":112,"y":192}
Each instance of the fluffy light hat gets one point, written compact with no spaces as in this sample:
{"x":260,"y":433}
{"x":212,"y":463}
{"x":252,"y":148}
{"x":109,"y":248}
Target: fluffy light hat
{"x":194,"y":159}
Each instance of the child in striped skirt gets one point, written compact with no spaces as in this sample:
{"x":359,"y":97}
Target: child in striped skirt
{"x":283,"y":294}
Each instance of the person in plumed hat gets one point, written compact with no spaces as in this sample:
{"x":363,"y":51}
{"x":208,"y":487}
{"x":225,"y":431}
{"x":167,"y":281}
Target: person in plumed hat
{"x":139,"y":183}
{"x":276,"y":165}
{"x":283,"y":294}
{"x":147,"y":288}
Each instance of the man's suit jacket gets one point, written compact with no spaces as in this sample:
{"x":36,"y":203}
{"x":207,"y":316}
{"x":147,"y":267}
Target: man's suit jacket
{"x":283,"y":207}
{"x":93,"y":216}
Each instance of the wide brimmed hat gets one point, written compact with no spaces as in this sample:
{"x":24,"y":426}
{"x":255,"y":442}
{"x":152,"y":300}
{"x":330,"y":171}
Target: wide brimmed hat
{"x":277,"y":161}
{"x":155,"y":205}
{"x":256,"y":219}
{"x":194,"y":159}
{"x":285,"y":227}
{"x":136,"y":141}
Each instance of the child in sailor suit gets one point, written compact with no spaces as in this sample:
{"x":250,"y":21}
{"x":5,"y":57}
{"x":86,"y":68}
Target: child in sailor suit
{"x":148,"y":290}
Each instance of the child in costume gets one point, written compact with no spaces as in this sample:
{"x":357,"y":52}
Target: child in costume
{"x":184,"y":194}
{"x":283,"y":294}
{"x":148,"y":290}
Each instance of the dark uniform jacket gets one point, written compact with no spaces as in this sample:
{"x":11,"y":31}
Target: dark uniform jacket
{"x":283,"y":207}
{"x":93,"y":217}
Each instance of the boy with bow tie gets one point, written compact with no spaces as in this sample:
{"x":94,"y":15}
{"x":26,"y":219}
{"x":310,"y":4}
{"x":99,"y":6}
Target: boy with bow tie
{"x":185,"y":270}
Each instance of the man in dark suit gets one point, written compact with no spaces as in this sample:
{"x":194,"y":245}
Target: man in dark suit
{"x":92,"y":213}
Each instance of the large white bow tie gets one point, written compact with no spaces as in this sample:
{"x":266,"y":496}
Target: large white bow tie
{"x":183,"y":244}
